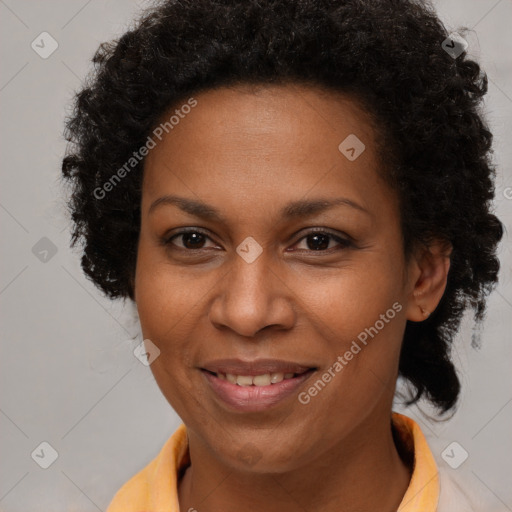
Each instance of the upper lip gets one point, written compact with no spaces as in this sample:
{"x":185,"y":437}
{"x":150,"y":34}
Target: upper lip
{"x":255,"y":367}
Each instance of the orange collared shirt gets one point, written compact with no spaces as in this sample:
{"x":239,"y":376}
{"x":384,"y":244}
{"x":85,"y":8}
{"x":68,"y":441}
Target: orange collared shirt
{"x":155,"y":488}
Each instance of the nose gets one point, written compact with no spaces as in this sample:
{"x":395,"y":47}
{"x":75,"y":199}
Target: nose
{"x":251,"y":297}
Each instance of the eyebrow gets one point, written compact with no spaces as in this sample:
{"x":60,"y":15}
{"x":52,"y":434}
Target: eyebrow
{"x":293,"y":210}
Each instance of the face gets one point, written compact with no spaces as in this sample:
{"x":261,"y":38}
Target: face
{"x":279,"y":253}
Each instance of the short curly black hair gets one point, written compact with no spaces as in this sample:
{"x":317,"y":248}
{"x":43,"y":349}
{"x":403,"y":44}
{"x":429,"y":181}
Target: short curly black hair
{"x":389,"y":54}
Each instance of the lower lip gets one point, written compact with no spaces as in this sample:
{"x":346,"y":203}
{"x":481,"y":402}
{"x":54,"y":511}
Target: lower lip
{"x":254,"y":398}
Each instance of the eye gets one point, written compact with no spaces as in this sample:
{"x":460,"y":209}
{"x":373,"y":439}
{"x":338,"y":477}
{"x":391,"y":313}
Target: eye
{"x":192,"y":239}
{"x":320,"y":241}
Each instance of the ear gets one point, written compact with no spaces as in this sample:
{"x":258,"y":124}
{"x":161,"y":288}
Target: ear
{"x":428,"y":275}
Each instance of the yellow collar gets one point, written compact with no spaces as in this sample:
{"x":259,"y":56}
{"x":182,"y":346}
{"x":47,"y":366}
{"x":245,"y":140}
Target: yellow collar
{"x":423,"y":491}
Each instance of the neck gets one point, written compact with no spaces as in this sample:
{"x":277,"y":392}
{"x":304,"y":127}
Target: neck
{"x":362,"y":472}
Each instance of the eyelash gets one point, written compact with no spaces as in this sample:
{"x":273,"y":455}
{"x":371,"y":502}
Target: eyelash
{"x":345,"y":243}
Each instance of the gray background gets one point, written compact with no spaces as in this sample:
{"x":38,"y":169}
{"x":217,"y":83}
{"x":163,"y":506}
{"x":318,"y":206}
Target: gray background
{"x":69,"y":376}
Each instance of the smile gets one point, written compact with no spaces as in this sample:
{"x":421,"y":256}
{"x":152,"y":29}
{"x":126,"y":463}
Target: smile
{"x":254,"y":393}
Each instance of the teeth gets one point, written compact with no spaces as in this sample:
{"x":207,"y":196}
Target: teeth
{"x":244,"y":380}
{"x":276,"y":377}
{"x":257,"y":380}
{"x":262,"y":380}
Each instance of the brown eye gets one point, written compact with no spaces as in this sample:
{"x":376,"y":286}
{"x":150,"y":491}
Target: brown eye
{"x":320,"y":241}
{"x":190,"y":240}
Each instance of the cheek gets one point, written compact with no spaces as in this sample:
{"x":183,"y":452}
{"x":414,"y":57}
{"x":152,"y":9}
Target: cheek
{"x":162,"y":305}
{"x":165,"y":307}
{"x":359,"y":316}
{"x":349,"y":300}
{"x":163,"y":296}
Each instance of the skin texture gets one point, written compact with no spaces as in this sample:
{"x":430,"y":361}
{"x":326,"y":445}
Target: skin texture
{"x":248,"y":152}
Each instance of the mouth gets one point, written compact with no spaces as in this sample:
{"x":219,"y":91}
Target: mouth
{"x":254,"y":386}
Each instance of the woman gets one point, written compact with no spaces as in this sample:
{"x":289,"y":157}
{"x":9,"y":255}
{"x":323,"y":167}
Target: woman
{"x":296,"y":196}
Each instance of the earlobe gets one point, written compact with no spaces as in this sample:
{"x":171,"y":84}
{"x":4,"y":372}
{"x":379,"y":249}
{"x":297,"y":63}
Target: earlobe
{"x":424,"y":312}
{"x":430,"y":277}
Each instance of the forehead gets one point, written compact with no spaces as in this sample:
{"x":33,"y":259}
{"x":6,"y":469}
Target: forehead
{"x":291,"y":111}
{"x":256,"y":142}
